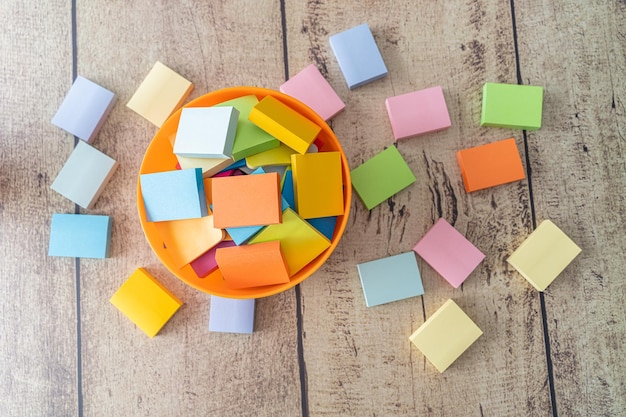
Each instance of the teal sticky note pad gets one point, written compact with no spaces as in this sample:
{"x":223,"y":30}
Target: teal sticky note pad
{"x":80,"y":236}
{"x":381,"y":177}
{"x":512,"y":106}
{"x":390,"y":279}
{"x":287,"y":189}
{"x":325,"y":225}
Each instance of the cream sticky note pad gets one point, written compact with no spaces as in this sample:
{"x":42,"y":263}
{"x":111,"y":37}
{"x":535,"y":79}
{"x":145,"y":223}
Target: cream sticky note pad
{"x":445,"y":335}
{"x":544,"y":255}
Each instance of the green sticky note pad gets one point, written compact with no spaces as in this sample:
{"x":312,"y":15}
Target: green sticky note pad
{"x":381,"y":177}
{"x":512,"y":106}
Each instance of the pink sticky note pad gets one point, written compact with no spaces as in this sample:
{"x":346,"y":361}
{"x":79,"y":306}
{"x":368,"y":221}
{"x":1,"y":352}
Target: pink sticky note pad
{"x":419,"y":112}
{"x":206,"y":263}
{"x":449,"y":252}
{"x":310,"y":87}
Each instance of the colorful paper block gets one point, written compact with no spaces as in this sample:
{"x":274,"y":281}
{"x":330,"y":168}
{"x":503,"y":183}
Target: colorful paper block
{"x":318,"y":184}
{"x":310,"y":87}
{"x":146,"y":302}
{"x":390,"y":279}
{"x":241,"y":235}
{"x":80,"y":236}
{"x":490,"y":165}
{"x":358,"y":56}
{"x":209,"y":166}
{"x":449,"y":252}
{"x":246,"y":200}
{"x":300,"y":242}
{"x":419,"y":112}
{"x":85,"y":174}
{"x":446,"y":335}
{"x":325,"y":225}
{"x":206,"y":263}
{"x":381,"y":177}
{"x":160,"y":94}
{"x":287,"y":188}
{"x":249,"y":139}
{"x":84,"y":109}
{"x":231,"y":315}
{"x":206,"y":132}
{"x":252,"y":265}
{"x":512,"y":106}
{"x":544,"y":255}
{"x":275,"y":156}
{"x":173,"y":195}
{"x":284,"y":123}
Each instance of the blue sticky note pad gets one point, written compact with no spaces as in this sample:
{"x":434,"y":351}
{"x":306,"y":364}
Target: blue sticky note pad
{"x":80,"y":236}
{"x":173,"y":195}
{"x":84,"y":109}
{"x":390,"y":279}
{"x":358,"y":56}
{"x":325,"y":225}
{"x":288,"y":188}
{"x":231,"y":315}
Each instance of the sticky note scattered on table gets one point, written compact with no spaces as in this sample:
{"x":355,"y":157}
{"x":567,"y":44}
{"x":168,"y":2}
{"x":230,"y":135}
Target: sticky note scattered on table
{"x":318,"y":184}
{"x":206,"y":132}
{"x":449,"y":253}
{"x":84,"y":109}
{"x":390,"y":279}
{"x":173,"y":195}
{"x":419,"y":112}
{"x":160,"y":94}
{"x":80,"y":236}
{"x":489,"y":165}
{"x":231,"y":315}
{"x":310,"y":87}
{"x":84,"y":175}
{"x":146,"y":302}
{"x":512,"y":106}
{"x":544,"y":255}
{"x":206,"y":263}
{"x":358,"y":56}
{"x":381,"y":177}
{"x":445,"y":335}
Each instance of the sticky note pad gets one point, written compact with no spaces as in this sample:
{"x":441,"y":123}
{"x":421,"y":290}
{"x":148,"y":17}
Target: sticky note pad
{"x":246,"y":200}
{"x":544,"y":255}
{"x":284,"y":123}
{"x":249,"y":138}
{"x":358,"y":56}
{"x":300,"y":242}
{"x":325,"y":225}
{"x":446,"y":335}
{"x":85,"y":174}
{"x":287,"y":188}
{"x":419,"y":112}
{"x":310,"y":87}
{"x":490,"y":165}
{"x":390,"y":279}
{"x":449,"y":252}
{"x":512,"y":106}
{"x":381,"y":177}
{"x":173,"y":195}
{"x":231,"y":315}
{"x":146,"y":302}
{"x":318,"y":184}
{"x":276,"y":156}
{"x":252,"y":265}
{"x":206,"y":132}
{"x":80,"y":236}
{"x":84,"y":109}
{"x":206,"y":263}
{"x":209,"y":166}
{"x":160,"y":94}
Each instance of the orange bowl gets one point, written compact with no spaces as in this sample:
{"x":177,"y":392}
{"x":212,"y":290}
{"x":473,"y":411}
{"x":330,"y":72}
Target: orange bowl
{"x":159,"y":157}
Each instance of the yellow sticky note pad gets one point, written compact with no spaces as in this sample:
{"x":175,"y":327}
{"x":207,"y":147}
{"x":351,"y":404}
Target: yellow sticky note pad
{"x":544,"y":255}
{"x":161,"y":92}
{"x":146,"y":302}
{"x":276,"y":156}
{"x":445,"y":335}
{"x":318,"y":184}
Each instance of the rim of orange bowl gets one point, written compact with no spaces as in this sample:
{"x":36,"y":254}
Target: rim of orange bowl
{"x":160,"y":146}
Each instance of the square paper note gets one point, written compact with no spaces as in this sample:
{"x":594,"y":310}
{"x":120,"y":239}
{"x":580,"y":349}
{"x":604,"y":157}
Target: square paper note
{"x":418,"y":112}
{"x":80,"y":236}
{"x":206,"y":132}
{"x":512,"y":106}
{"x":449,"y":253}
{"x":231,"y":315}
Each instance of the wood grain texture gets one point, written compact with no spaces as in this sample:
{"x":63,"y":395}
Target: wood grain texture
{"x":578,"y":178}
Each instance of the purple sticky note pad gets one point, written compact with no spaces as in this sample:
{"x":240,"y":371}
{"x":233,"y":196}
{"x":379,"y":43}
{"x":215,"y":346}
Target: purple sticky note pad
{"x":449,"y":253}
{"x":206,"y":263}
{"x":231,"y":315}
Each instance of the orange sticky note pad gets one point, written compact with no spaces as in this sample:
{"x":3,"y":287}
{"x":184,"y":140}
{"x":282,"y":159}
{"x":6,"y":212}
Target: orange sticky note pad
{"x":252,"y":265}
{"x":318,"y":184}
{"x":490,"y":165}
{"x":246,"y":200}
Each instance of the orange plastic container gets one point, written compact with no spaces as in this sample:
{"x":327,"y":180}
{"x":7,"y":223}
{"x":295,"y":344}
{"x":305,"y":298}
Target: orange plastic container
{"x":159,"y":157}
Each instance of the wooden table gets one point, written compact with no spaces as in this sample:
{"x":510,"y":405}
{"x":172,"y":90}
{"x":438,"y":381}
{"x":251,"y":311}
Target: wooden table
{"x":318,"y":350}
